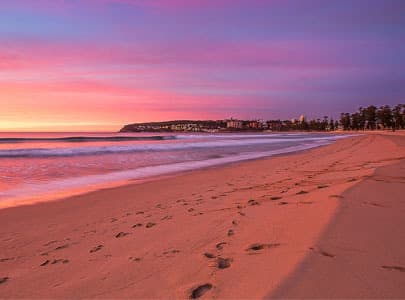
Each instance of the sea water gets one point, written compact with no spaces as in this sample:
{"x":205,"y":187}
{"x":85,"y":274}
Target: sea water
{"x":44,"y":166}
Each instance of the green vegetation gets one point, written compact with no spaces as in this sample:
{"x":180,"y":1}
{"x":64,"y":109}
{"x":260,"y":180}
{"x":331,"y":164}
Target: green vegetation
{"x":372,"y":118}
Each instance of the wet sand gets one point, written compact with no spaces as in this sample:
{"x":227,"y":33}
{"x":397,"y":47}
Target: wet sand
{"x":321,"y":223}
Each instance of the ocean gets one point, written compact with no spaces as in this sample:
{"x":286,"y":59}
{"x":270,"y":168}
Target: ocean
{"x":44,"y":166}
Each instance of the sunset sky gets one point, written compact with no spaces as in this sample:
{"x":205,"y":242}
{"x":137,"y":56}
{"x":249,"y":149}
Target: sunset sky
{"x":69,"y":65}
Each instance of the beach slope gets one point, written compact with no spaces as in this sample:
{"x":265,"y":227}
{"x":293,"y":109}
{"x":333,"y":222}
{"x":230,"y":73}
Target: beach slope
{"x":320,"y":223}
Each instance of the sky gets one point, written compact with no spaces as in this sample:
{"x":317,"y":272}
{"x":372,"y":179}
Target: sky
{"x":84,"y":65}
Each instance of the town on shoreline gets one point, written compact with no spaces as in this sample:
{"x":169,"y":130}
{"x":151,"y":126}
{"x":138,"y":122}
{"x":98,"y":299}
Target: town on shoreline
{"x":369,"y":118}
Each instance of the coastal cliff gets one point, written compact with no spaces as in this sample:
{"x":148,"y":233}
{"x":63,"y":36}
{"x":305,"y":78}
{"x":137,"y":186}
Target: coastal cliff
{"x":176,"y":125}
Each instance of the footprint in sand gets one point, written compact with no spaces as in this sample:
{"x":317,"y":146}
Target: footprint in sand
{"x":137,"y":225}
{"x":136,"y":259}
{"x":253,"y":202}
{"x":54,"y":262}
{"x":3,"y":279}
{"x":275,"y":198}
{"x":90,"y":232}
{"x":57,"y":261}
{"x":327,"y":254}
{"x":302,"y":192}
{"x":259,"y":246}
{"x":231,"y":232}
{"x":45,"y":263}
{"x":220,"y":246}
{"x":394,"y":268}
{"x":322,"y":186}
{"x":323,"y":253}
{"x":6,"y":259}
{"x":282,"y":203}
{"x":224,"y":263}
{"x":121,"y":234}
{"x":209,"y":255}
{"x":373,"y":204}
{"x":50,"y":243}
{"x":97,"y":248}
{"x":171,"y":253}
{"x":62,"y":247}
{"x":200,"y":290}
{"x":150,"y":224}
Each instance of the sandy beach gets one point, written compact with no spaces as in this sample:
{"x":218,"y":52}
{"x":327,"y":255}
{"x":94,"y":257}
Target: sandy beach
{"x":324,"y":223}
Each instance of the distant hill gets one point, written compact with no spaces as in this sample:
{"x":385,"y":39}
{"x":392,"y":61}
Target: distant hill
{"x":174,"y":125}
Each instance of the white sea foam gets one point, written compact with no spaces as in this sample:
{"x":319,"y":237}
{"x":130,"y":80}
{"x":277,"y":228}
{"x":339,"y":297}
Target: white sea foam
{"x":92,"y":150}
{"x":33,"y":191}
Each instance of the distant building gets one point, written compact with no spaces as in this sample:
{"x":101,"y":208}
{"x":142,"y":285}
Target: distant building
{"x":274,"y":125}
{"x":264,"y":124}
{"x":302,"y":119}
{"x":254,"y":125}
{"x":235,"y":124}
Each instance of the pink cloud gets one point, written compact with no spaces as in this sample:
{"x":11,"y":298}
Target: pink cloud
{"x":167,"y":5}
{"x":266,"y":54}
{"x":9,"y":62}
{"x":102,"y":103}
{"x":173,"y":4}
{"x":136,"y":96}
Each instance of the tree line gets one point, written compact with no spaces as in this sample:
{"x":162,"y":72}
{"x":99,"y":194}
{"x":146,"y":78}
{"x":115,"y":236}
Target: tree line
{"x":372,"y":118}
{"x":366,"y":118}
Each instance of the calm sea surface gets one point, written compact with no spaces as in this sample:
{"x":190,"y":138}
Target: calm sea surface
{"x":41,"y":166}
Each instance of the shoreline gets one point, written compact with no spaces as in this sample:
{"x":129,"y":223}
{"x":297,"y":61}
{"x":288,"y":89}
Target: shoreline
{"x":281,"y":204}
{"x":60,"y":195}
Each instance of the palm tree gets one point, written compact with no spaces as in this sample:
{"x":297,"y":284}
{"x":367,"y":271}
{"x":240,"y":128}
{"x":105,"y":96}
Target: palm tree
{"x":355,"y":118}
{"x":345,"y":121}
{"x":362,"y":118}
{"x":371,"y":117}
{"x":384,"y":115}
{"x":397,"y":115}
